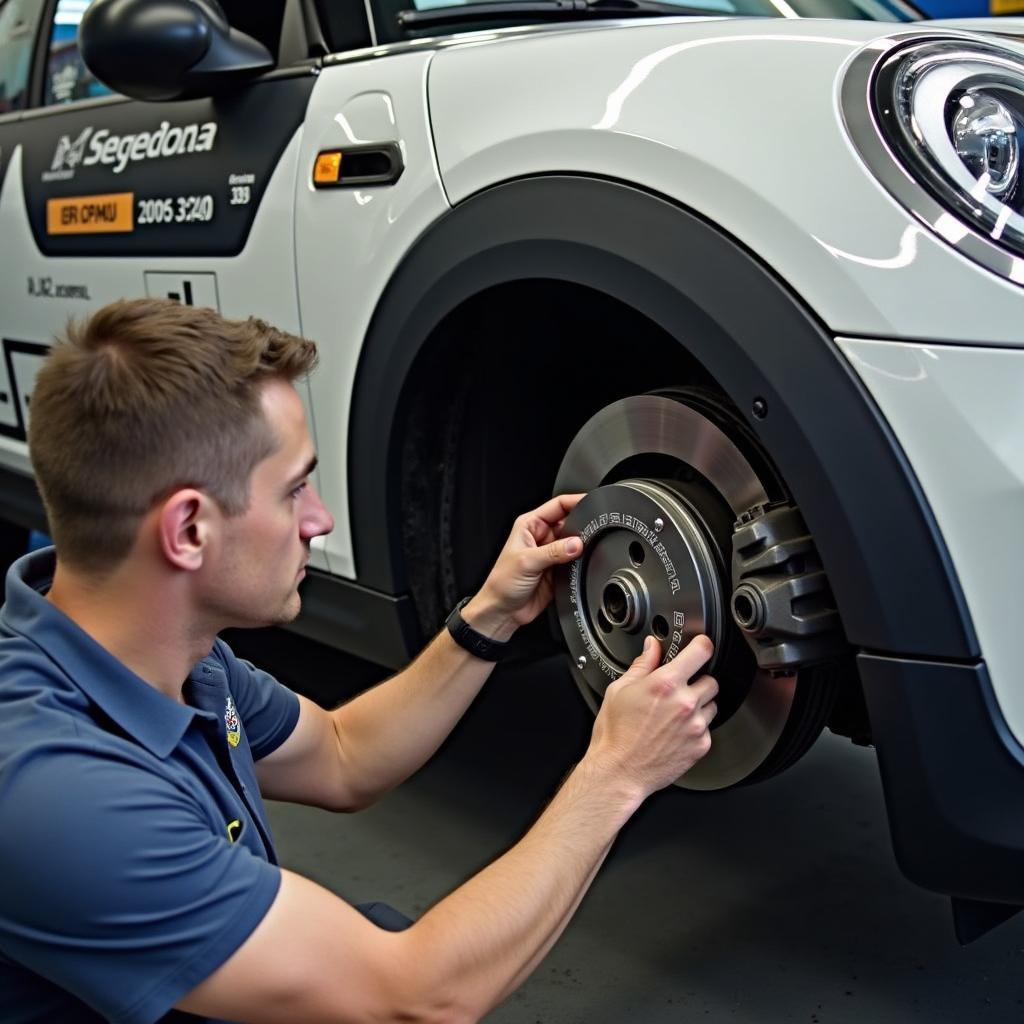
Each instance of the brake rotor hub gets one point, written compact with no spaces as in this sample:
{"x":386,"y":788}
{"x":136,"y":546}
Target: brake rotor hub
{"x":649,"y":568}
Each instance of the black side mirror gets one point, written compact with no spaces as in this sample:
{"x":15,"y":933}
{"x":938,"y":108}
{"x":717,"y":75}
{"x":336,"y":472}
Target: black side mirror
{"x":167,"y":49}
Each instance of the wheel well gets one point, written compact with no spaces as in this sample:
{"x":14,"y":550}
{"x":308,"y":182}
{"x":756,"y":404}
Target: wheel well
{"x":877,"y":537}
{"x":493,"y":400}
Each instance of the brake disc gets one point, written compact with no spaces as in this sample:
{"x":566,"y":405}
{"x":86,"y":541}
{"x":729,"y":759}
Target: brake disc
{"x":647,"y":568}
{"x":652,"y":564}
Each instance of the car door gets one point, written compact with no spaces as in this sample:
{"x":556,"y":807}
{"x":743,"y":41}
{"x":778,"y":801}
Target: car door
{"x":104,"y":197}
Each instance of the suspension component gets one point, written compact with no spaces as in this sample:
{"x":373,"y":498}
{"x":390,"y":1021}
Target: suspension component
{"x":781,"y":598}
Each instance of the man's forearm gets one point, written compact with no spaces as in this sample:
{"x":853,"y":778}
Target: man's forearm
{"x":556,"y":931}
{"x":313,"y":958}
{"x":389,"y":732}
{"x":486,"y":937}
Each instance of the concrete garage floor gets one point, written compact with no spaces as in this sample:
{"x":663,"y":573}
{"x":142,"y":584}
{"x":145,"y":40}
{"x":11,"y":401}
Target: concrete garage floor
{"x":781,"y":902}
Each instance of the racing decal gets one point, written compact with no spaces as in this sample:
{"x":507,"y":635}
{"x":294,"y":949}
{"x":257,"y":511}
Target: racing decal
{"x":8,"y":405}
{"x":117,"y":151}
{"x":42,"y":286}
{"x":22,"y":360}
{"x":155,"y":179}
{"x":90,"y":215}
{"x":191,"y":289}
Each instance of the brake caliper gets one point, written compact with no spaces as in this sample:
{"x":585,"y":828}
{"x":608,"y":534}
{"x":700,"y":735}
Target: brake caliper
{"x":781,"y":598}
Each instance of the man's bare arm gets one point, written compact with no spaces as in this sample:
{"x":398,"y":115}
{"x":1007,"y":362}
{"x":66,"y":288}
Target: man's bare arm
{"x":315,"y":959}
{"x":347,"y":758}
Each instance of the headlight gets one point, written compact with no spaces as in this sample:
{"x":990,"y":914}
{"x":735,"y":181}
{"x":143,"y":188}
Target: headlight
{"x":950,"y":115}
{"x":984,"y":135}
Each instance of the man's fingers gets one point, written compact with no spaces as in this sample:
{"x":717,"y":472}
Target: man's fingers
{"x":555,"y":553}
{"x":650,"y":657}
{"x":694,"y":655}
{"x":556,"y":509}
{"x":704,"y":690}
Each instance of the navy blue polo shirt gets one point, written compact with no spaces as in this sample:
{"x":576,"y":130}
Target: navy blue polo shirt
{"x":135,"y":854}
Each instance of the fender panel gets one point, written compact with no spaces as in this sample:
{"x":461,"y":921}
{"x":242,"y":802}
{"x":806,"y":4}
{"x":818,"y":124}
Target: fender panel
{"x":885,"y":557}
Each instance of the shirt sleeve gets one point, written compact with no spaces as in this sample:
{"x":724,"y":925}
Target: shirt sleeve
{"x":115,"y":886}
{"x":267,"y":708}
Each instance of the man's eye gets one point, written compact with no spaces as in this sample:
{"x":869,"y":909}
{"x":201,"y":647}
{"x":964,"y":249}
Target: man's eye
{"x":296,"y":491}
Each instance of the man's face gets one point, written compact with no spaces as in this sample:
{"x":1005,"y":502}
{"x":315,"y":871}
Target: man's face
{"x":254,"y":575}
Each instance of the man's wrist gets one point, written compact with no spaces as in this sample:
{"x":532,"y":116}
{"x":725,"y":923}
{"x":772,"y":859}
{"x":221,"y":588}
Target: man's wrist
{"x":624,"y":795}
{"x":486,"y":617}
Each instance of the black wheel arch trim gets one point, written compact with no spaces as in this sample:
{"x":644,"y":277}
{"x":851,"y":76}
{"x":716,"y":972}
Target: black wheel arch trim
{"x":887,"y":562}
{"x":952,"y":773}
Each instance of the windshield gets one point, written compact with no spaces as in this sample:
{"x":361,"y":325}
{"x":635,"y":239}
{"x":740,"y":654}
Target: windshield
{"x":855,"y":10}
{"x":388,"y":29}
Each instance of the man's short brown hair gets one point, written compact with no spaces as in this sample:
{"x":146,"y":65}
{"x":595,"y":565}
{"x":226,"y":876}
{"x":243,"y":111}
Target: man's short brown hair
{"x":145,"y":397}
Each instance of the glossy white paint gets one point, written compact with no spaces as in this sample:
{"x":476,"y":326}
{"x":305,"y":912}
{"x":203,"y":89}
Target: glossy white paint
{"x":958,"y":412}
{"x":736,"y":119}
{"x":260,"y":281}
{"x":349,"y":242}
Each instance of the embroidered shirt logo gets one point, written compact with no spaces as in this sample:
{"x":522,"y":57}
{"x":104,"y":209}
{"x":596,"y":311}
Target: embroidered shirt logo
{"x":231,"y":723}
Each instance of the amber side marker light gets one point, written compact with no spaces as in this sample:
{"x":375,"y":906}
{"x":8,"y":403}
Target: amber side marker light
{"x":379,"y":163}
{"x":327,"y":169}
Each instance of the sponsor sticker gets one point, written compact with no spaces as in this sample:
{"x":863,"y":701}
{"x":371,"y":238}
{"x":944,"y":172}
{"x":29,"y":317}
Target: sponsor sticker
{"x":91,"y":147}
{"x":91,"y":215}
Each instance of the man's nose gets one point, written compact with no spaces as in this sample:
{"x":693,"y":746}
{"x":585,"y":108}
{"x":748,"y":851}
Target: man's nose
{"x":316,"y":520}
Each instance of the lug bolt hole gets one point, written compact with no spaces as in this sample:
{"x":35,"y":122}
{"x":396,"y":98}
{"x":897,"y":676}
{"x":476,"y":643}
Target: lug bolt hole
{"x":615,"y":604}
{"x":659,"y":624}
{"x":602,"y":621}
{"x":636,"y":553}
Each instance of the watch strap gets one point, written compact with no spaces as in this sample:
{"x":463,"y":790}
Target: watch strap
{"x":468,"y":638}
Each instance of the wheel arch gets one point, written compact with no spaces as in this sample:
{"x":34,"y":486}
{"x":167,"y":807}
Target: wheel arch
{"x":887,"y":563}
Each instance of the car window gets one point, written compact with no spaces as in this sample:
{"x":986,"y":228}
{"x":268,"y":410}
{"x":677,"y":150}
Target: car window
{"x":388,"y":30}
{"x":18,"y":20}
{"x":67,"y":77}
{"x":874,"y":10}
{"x":856,"y":10}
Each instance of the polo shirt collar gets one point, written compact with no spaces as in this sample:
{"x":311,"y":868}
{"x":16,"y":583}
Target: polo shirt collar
{"x":152,"y":718}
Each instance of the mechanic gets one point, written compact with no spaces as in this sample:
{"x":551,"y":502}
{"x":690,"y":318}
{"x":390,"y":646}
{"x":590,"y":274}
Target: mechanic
{"x":137,"y":869}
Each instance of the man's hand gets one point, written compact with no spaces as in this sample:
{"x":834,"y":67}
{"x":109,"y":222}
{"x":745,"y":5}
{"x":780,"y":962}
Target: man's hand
{"x":519,"y":586}
{"x":653,"y":723}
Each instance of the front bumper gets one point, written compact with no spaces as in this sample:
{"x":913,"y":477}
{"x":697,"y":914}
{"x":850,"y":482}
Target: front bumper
{"x":949,"y":734}
{"x":958,"y":414}
{"x":953,"y":776}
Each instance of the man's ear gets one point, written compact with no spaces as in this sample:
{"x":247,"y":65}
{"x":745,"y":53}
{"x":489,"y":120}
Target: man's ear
{"x":185,"y":526}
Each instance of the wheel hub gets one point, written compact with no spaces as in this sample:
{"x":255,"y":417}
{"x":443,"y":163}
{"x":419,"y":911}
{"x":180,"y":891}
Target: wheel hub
{"x":648,"y":568}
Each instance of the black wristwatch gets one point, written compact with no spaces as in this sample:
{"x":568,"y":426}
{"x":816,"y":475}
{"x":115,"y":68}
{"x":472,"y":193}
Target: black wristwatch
{"x":476,"y":643}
